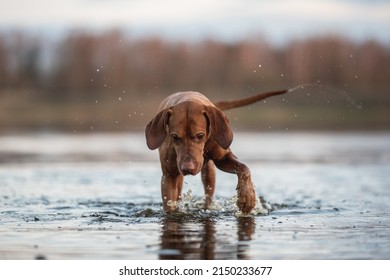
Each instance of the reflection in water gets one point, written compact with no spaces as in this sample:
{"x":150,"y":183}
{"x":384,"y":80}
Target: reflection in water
{"x":183,"y":239}
{"x":246,"y":228}
{"x":187,"y":240}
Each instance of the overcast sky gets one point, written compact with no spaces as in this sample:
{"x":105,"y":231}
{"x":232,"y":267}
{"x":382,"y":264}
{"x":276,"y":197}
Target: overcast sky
{"x":277,"y":20}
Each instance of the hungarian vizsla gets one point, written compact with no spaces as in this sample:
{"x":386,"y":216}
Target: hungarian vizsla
{"x":193,"y":135}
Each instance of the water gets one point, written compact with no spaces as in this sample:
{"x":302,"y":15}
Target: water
{"x":98,"y":197}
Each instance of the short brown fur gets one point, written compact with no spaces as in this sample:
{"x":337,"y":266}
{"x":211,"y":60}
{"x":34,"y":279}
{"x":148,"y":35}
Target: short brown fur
{"x":193,"y":135}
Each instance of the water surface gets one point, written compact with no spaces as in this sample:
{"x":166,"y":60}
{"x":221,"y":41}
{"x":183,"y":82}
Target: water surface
{"x":97,"y":196}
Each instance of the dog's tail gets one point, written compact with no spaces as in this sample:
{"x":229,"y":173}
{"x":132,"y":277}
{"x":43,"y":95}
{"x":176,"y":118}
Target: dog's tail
{"x":226,"y":105}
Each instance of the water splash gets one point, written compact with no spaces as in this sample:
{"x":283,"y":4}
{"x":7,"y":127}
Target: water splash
{"x":219,"y":206}
{"x":342,"y":93}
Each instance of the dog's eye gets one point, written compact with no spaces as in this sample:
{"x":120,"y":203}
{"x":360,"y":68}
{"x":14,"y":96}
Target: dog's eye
{"x":200,"y":136}
{"x":175,"y":138}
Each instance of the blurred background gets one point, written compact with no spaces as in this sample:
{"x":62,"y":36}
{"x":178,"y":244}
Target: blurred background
{"x":97,"y":65}
{"x":80,"y":79}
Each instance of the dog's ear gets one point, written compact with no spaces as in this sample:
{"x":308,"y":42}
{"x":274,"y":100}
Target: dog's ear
{"x":155,"y":131}
{"x":219,"y":127}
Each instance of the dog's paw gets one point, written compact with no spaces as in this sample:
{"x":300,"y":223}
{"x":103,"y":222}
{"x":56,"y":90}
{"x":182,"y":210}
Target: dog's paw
{"x":246,"y":198}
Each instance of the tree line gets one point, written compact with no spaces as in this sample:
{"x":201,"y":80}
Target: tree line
{"x":88,"y":67}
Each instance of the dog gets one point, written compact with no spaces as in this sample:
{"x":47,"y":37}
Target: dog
{"x":193,"y":135}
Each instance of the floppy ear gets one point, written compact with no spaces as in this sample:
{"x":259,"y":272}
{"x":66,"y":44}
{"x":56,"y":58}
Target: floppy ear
{"x":219,"y":127}
{"x":155,"y":131}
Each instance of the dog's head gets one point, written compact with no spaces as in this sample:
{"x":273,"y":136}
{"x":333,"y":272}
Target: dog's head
{"x":187,"y":127}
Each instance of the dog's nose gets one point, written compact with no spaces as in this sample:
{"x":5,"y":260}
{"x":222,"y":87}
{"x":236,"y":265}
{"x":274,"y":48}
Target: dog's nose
{"x":188,"y":167}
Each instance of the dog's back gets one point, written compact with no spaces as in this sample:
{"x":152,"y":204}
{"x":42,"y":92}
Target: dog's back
{"x":180,"y":97}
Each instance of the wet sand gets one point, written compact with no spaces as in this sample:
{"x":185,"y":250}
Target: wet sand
{"x":98,"y":197}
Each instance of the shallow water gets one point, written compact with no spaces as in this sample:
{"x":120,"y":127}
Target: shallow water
{"x":98,"y":197}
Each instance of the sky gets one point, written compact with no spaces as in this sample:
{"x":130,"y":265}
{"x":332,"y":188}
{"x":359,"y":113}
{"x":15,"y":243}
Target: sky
{"x":277,"y":20}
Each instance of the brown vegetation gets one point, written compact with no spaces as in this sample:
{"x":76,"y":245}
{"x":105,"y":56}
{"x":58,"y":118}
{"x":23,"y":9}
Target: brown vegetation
{"x":109,"y":81}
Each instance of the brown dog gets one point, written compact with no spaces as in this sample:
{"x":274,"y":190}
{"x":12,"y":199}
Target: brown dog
{"x":193,"y":135}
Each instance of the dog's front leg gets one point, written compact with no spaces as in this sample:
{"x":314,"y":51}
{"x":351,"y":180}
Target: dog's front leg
{"x":171,"y":186}
{"x":245,"y":189}
{"x":208,"y":179}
